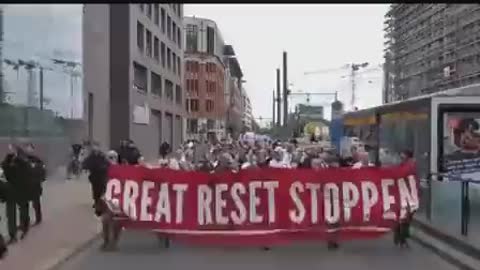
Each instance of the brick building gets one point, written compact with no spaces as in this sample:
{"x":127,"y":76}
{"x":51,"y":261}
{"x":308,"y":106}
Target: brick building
{"x":204,"y":78}
{"x":205,"y":103}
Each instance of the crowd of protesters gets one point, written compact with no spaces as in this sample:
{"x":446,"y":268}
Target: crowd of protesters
{"x":24,"y":172}
{"x":217,"y":156}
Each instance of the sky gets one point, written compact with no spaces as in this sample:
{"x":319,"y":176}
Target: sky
{"x":40,"y":33}
{"x":316,"y":37}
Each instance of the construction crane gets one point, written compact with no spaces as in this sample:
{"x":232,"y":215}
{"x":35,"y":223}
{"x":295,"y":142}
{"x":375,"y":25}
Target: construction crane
{"x":354,"y":70}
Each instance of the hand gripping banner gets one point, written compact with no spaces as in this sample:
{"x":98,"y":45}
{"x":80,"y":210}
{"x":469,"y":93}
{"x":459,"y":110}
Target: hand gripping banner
{"x":263,"y":206}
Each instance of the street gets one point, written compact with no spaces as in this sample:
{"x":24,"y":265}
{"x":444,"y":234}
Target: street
{"x":138,"y":250}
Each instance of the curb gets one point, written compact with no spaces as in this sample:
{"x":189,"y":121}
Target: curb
{"x":72,"y":253}
{"x":450,"y":255}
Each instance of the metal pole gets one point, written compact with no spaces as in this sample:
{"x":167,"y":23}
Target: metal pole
{"x":352,"y":102}
{"x":41,"y":88}
{"x":279,"y":104}
{"x":273,"y":109}
{"x":71,"y":95}
{"x":285,"y":90}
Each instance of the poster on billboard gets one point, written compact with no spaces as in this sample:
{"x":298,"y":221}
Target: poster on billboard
{"x":461,"y":146}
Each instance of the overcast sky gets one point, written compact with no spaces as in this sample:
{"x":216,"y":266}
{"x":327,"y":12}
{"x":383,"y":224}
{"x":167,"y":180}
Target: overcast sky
{"x":316,"y":37}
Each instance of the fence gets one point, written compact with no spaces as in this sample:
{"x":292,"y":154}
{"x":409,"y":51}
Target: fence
{"x":51,"y":135}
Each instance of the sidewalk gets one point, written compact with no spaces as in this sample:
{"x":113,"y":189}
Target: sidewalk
{"x":68,"y":224}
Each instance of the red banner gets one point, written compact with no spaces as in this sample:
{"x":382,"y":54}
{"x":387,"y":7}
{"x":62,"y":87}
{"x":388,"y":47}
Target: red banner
{"x":263,"y":206}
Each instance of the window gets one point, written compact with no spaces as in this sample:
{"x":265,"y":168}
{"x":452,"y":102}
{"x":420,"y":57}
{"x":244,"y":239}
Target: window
{"x":162,"y":53}
{"x":169,"y":27}
{"x":169,"y":59}
{"x":194,"y":105}
{"x":149,"y":11}
{"x":156,"y":84}
{"x":179,"y":10}
{"x":211,"y":88}
{"x":156,"y":14}
{"x":174,"y":32}
{"x":140,"y":42}
{"x":210,"y":40}
{"x":149,"y":43}
{"x":191,"y":38}
{"x":139,"y":77}
{"x":178,"y":94}
{"x":142,"y":7}
{"x":195,"y":87}
{"x":179,"y":66}
{"x":179,"y":38}
{"x":174,"y":60}
{"x":197,"y":67}
{"x":209,"y":105}
{"x":169,"y":90}
{"x":156,"y":53}
{"x":162,"y":19}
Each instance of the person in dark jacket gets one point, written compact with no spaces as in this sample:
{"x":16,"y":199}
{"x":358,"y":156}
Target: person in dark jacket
{"x":133,"y":155}
{"x":401,"y":232}
{"x":121,"y":151}
{"x":16,"y":168}
{"x":37,"y":177}
{"x":97,"y":164}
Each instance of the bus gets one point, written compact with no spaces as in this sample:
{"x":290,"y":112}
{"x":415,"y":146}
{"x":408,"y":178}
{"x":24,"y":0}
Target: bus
{"x":431,"y":127}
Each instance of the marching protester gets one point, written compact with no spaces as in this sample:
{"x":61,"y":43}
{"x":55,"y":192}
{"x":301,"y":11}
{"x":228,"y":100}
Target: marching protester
{"x":402,"y":231}
{"x":214,"y":157}
{"x":37,"y":177}
{"x":97,"y":164}
{"x":16,"y":169}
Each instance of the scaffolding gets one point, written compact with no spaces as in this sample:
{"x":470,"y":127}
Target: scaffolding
{"x":430,"y":47}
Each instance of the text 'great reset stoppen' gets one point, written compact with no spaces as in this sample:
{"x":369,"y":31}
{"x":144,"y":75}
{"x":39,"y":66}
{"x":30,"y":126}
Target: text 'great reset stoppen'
{"x":280,"y":203}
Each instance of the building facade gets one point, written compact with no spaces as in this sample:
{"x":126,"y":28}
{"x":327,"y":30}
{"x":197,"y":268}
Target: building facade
{"x":233,"y":89}
{"x":247,"y":112}
{"x":204,"y":78}
{"x":215,"y":102}
{"x":429,"y":48}
{"x":133,"y":66}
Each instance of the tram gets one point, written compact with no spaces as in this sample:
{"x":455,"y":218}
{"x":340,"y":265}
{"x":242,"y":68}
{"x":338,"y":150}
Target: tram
{"x":431,"y":127}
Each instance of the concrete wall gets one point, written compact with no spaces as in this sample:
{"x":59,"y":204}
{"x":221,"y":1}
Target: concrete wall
{"x":110,"y":35}
{"x":149,"y":137}
{"x":96,"y":68}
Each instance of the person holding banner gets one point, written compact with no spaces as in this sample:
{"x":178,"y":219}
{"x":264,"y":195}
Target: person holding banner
{"x":97,"y":164}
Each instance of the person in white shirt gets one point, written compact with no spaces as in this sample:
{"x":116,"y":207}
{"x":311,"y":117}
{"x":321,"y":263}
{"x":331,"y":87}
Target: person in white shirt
{"x":277,"y":158}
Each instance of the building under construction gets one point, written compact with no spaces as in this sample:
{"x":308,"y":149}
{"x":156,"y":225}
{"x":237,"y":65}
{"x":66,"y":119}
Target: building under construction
{"x":429,"y":48}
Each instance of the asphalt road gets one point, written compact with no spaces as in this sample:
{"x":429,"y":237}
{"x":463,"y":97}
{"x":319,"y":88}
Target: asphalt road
{"x":140,"y":251}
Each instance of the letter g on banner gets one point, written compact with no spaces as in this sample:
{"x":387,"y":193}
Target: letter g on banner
{"x":114,"y":189}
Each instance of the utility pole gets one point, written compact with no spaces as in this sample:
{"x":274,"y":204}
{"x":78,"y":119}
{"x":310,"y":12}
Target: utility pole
{"x":41,"y":88}
{"x":354,"y":69}
{"x":285,"y":90}
{"x":279,"y":99}
{"x":273,"y":109}
{"x":70,"y":69}
{"x":3,"y":97}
